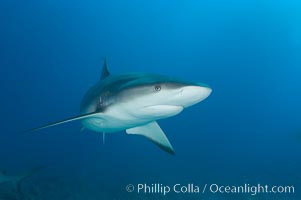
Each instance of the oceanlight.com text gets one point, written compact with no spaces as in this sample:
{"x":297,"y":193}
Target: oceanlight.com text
{"x":251,"y":189}
{"x":191,"y":188}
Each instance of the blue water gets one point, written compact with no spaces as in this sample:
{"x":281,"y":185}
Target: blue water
{"x":247,"y":131}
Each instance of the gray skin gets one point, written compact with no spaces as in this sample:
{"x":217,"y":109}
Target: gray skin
{"x":134,"y":102}
{"x":125,"y":87}
{"x":144,"y":89}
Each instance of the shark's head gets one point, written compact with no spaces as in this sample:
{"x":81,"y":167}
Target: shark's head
{"x":161,"y":96}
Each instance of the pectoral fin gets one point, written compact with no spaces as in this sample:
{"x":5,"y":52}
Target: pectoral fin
{"x":62,"y":122}
{"x":153,"y":132}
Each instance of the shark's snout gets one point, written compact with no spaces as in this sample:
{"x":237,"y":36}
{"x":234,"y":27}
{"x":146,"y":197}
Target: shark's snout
{"x":192,"y":94}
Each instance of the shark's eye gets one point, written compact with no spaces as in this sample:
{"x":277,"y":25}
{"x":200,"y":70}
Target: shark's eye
{"x":157,"y":88}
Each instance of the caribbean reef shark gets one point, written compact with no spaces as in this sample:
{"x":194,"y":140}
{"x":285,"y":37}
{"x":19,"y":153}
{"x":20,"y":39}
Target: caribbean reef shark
{"x":134,"y":102}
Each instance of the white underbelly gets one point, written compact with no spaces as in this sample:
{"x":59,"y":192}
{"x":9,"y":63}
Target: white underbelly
{"x":113,"y":122}
{"x":113,"y":125}
{"x":126,"y":116}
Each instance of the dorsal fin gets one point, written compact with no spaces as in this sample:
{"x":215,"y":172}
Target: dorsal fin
{"x":105,"y":72}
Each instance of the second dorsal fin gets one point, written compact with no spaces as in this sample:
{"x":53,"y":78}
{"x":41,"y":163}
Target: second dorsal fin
{"x":105,"y":72}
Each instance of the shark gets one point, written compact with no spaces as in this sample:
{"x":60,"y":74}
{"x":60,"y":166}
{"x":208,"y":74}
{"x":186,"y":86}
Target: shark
{"x":134,"y":102}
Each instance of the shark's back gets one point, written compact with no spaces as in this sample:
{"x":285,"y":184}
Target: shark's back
{"x":111,"y":85}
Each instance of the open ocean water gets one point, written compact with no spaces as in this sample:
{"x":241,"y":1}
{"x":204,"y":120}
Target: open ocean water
{"x":246,"y":134}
